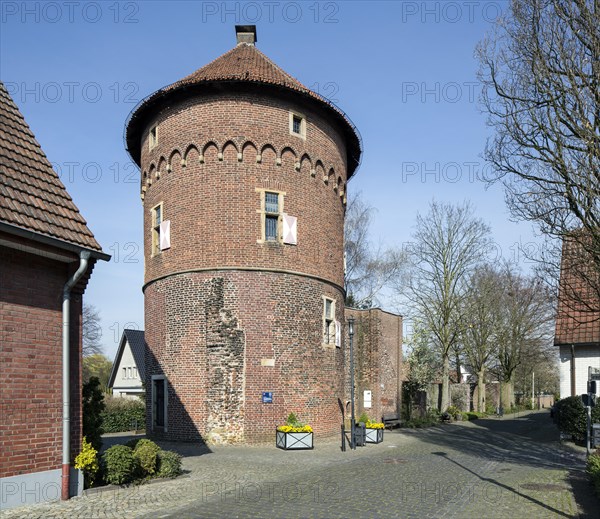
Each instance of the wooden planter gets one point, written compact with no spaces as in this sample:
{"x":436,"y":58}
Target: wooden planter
{"x":294,"y":440}
{"x":374,"y":435}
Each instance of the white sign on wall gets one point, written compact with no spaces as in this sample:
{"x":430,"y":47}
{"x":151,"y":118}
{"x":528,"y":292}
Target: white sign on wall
{"x":367,"y":399}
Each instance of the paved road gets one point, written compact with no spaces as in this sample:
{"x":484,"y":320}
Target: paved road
{"x":510,"y":468}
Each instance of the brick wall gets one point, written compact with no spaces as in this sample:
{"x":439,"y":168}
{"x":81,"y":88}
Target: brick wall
{"x":213,"y":205}
{"x":31,"y":360}
{"x":377,"y":361}
{"x":211,"y":335}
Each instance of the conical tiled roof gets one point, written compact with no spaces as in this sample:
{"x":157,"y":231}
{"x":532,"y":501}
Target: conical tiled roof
{"x":32,"y":197}
{"x":242,"y":64}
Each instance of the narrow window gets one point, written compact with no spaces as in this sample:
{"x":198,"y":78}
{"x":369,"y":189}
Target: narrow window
{"x":129,"y":373}
{"x":157,"y":218}
{"x":135,"y":373}
{"x":271,"y":216}
{"x":296,"y":124}
{"x":153,"y":137}
{"x":124,"y":373}
{"x":159,"y":401}
{"x":328,"y":321}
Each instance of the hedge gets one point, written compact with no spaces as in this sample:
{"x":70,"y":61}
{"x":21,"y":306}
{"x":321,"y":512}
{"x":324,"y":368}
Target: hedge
{"x":120,"y":413}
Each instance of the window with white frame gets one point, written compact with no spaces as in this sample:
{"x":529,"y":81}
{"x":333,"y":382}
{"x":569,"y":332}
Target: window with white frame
{"x":329,"y":335}
{"x":157,"y":218}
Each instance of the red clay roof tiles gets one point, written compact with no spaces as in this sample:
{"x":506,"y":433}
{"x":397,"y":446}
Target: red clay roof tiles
{"x":578,"y":313}
{"x":32,"y":196}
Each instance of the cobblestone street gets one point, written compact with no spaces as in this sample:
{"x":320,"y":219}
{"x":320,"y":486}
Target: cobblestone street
{"x":495,"y":468}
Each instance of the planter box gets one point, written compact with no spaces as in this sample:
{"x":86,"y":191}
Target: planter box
{"x":294,"y":440}
{"x":374,"y":435}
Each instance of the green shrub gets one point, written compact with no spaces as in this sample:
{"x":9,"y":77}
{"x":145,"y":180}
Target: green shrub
{"x":120,"y":413}
{"x":145,"y":452}
{"x":132,"y":443}
{"x":454,"y":412}
{"x":92,"y":402}
{"x":169,"y":464}
{"x":572,"y":417}
{"x":363,"y":418}
{"x":593,"y":469}
{"x":472,"y":415}
{"x":120,"y":464}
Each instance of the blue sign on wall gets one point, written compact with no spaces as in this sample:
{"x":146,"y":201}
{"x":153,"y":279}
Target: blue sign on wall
{"x":267,"y":397}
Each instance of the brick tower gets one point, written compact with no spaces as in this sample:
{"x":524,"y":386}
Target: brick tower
{"x":243,"y":180}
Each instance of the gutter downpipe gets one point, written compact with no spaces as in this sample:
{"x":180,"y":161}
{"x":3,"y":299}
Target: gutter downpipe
{"x":66,"y":386}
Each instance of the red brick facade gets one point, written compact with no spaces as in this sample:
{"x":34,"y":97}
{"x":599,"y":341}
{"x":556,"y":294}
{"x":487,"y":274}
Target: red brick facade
{"x":377,"y":361}
{"x":31,"y":360}
{"x":229,"y":315}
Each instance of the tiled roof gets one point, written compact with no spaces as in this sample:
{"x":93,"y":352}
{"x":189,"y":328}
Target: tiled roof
{"x":244,"y":63}
{"x":578,"y":313}
{"x":32,"y":197}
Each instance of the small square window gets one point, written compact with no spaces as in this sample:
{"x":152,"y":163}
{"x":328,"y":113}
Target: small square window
{"x":153,"y":137}
{"x":297,"y":125}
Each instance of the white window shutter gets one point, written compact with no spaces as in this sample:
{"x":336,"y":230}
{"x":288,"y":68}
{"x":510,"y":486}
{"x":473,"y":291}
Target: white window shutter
{"x":165,"y":235}
{"x":290,"y":229}
{"x":338,"y":334}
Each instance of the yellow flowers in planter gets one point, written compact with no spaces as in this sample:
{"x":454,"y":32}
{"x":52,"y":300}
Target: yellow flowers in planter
{"x":295,"y":429}
{"x":373,"y":425}
{"x":292,"y":425}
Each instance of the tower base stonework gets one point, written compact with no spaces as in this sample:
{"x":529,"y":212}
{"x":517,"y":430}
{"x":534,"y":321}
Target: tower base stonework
{"x":222,"y":339}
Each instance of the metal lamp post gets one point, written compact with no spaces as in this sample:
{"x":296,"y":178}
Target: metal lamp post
{"x":351,"y":335}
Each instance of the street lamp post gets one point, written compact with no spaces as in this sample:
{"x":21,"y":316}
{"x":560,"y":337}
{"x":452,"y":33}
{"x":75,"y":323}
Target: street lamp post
{"x":351,"y":336}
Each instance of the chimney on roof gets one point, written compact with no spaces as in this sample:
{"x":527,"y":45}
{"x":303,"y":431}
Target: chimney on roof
{"x":245,"y":34}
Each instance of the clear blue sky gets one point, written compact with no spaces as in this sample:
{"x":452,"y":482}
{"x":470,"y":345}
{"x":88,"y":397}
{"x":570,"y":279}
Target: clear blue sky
{"x":404,"y":72}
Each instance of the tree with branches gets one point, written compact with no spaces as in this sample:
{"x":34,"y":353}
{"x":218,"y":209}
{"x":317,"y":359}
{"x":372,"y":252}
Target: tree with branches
{"x":91,"y":330}
{"x":481,"y":308}
{"x":524,"y":327}
{"x":369,"y":269}
{"x":540,"y":71}
{"x":449,"y":243}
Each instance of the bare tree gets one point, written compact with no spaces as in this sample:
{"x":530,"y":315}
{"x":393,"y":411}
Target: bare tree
{"x":91,"y":330}
{"x":449,"y":243}
{"x":524,"y":327}
{"x":481,"y":308}
{"x":541,"y":74}
{"x":368,"y":269}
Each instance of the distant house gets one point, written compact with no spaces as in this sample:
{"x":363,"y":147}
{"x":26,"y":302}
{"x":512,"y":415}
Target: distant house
{"x":128,"y":371}
{"x":577,"y":333}
{"x":47,"y":254}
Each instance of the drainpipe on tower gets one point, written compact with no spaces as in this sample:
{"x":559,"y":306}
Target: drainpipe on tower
{"x":66,"y":386}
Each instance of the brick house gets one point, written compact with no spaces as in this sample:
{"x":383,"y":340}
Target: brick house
{"x":577,"y":334}
{"x":47,"y":254}
{"x":243,"y":184}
